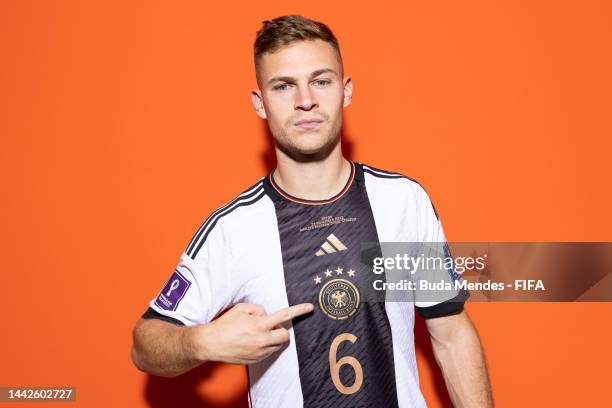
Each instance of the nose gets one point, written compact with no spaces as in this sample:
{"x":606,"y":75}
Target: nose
{"x":305,"y":99}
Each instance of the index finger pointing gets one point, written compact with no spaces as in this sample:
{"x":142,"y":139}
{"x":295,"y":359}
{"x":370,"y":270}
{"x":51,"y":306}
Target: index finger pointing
{"x":288,"y":313}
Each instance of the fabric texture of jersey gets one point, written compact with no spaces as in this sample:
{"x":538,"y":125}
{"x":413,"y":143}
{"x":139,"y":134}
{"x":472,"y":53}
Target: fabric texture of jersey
{"x":266,"y":247}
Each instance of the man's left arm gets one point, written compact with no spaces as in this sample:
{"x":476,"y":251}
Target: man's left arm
{"x":456,"y":345}
{"x":459,"y":354}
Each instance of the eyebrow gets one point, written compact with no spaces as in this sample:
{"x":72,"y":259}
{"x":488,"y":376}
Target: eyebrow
{"x":312,"y":75}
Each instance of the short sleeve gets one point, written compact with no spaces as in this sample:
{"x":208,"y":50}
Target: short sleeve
{"x":199,"y":287}
{"x":443,"y":299}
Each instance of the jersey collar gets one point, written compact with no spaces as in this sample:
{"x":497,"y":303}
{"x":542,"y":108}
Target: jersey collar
{"x":277,"y":193}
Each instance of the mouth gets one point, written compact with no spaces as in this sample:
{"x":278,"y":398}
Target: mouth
{"x":309,"y":123}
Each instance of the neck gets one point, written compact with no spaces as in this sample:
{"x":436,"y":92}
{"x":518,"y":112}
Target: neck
{"x":313,"y":180}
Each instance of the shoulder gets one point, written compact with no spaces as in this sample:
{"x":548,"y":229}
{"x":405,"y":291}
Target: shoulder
{"x":397,"y":185}
{"x":215,"y":225}
{"x":391,"y":179}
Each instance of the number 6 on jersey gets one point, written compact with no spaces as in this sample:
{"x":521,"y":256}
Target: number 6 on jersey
{"x":334,"y":365}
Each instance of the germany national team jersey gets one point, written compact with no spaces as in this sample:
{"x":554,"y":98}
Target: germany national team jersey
{"x":269,"y":248}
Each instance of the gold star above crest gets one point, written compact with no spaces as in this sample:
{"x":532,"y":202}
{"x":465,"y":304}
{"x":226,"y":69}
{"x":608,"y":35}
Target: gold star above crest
{"x":328,"y":273}
{"x":317,"y":280}
{"x":339,"y":271}
{"x":351,"y":273}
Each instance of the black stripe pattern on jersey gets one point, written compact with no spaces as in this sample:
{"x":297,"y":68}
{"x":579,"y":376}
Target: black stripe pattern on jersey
{"x":345,"y":347}
{"x":248,"y":197}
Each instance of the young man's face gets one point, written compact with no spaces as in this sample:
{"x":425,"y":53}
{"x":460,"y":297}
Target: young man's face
{"x":301,"y":94}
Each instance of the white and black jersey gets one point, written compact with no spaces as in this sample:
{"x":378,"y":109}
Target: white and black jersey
{"x":269,"y":248}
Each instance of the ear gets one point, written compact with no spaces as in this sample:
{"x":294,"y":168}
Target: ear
{"x":348,"y":91}
{"x":258,"y":104}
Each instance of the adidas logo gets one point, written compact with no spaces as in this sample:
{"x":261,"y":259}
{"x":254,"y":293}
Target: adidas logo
{"x":332,"y":244}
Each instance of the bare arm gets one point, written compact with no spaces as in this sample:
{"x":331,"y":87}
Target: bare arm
{"x":164,"y":349}
{"x":459,"y":354}
{"x":243,"y":335}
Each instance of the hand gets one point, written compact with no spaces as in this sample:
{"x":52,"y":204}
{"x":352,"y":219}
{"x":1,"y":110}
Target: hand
{"x":245,"y":334}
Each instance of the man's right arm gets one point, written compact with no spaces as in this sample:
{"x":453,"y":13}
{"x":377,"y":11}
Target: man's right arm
{"x":243,"y":335}
{"x":164,"y":349}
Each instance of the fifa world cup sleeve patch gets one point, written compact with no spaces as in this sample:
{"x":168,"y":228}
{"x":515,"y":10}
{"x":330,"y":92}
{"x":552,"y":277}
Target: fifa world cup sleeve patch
{"x":173,"y":292}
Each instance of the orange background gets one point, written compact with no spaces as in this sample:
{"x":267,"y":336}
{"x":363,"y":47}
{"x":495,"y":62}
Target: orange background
{"x":125,"y":123}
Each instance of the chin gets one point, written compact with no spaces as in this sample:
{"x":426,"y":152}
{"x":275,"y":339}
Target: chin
{"x":309,"y":141}
{"x":312,"y":147}
{"x":310,"y":152}
{"x":306,"y":144}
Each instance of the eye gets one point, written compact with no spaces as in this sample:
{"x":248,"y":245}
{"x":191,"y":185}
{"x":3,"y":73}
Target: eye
{"x":322,"y":82}
{"x":281,"y":87}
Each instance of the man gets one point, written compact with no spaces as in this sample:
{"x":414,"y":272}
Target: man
{"x":284,"y":260}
